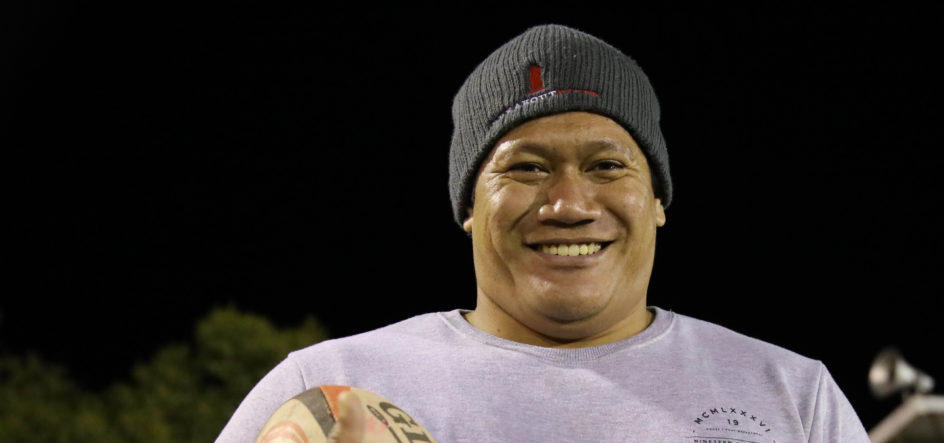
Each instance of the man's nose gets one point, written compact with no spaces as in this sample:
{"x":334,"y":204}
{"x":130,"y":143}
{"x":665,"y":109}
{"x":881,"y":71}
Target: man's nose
{"x":569,"y":200}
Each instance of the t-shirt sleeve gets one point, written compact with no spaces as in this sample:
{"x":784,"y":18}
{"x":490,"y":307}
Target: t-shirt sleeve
{"x":834,"y":419}
{"x":278,"y":386}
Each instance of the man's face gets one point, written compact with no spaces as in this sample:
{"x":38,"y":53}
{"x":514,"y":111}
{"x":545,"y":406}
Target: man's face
{"x":565,"y":184}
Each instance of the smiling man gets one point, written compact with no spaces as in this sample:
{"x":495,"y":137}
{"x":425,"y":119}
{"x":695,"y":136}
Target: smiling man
{"x":559,"y":172}
{"x":563,"y":230}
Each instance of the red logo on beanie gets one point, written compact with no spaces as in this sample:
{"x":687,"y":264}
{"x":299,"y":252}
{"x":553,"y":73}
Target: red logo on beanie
{"x":537,"y":84}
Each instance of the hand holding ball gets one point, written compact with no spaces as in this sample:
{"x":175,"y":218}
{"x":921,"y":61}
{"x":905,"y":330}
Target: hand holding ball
{"x":341,"y":414}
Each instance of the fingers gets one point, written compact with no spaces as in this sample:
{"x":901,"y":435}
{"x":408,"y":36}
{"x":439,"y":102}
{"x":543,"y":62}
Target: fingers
{"x":351,"y":420}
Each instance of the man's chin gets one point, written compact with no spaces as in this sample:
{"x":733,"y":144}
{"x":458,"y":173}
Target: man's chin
{"x":567,"y":307}
{"x":574,"y":317}
{"x":569,"y":331}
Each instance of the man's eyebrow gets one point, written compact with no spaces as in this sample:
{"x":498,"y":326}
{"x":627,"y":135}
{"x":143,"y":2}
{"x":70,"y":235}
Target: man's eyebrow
{"x":525,"y":147}
{"x":608,"y":144}
{"x":543,"y":150}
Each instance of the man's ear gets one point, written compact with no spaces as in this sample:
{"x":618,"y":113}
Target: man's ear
{"x":467,"y":224}
{"x":660,"y":213}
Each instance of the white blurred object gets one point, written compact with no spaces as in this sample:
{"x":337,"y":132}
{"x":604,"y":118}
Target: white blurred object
{"x":890,"y":373}
{"x":920,"y":417}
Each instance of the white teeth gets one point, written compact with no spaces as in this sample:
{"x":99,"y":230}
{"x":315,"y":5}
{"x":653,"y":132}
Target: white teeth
{"x":572,"y":250}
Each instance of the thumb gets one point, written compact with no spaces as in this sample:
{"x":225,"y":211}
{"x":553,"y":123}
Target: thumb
{"x":351,"y":421}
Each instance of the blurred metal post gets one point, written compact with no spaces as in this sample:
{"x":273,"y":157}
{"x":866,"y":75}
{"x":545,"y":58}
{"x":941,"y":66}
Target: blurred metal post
{"x":919,"y":419}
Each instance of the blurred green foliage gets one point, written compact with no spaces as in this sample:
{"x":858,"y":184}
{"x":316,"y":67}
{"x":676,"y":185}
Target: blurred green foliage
{"x":185,"y":393}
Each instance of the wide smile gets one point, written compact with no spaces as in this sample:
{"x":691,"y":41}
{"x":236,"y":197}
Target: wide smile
{"x":570,"y":249}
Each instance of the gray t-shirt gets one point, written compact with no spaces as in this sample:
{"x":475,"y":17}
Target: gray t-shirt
{"x":680,"y":380}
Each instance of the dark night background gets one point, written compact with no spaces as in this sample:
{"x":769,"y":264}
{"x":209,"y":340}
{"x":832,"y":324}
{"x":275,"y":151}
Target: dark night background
{"x":292,"y":160}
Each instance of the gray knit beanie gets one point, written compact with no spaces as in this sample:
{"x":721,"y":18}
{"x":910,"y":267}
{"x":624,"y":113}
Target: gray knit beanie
{"x":548,"y":70}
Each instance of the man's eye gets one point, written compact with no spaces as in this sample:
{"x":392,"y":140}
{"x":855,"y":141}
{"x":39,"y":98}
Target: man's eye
{"x":608,"y":165}
{"x":526,"y":167}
